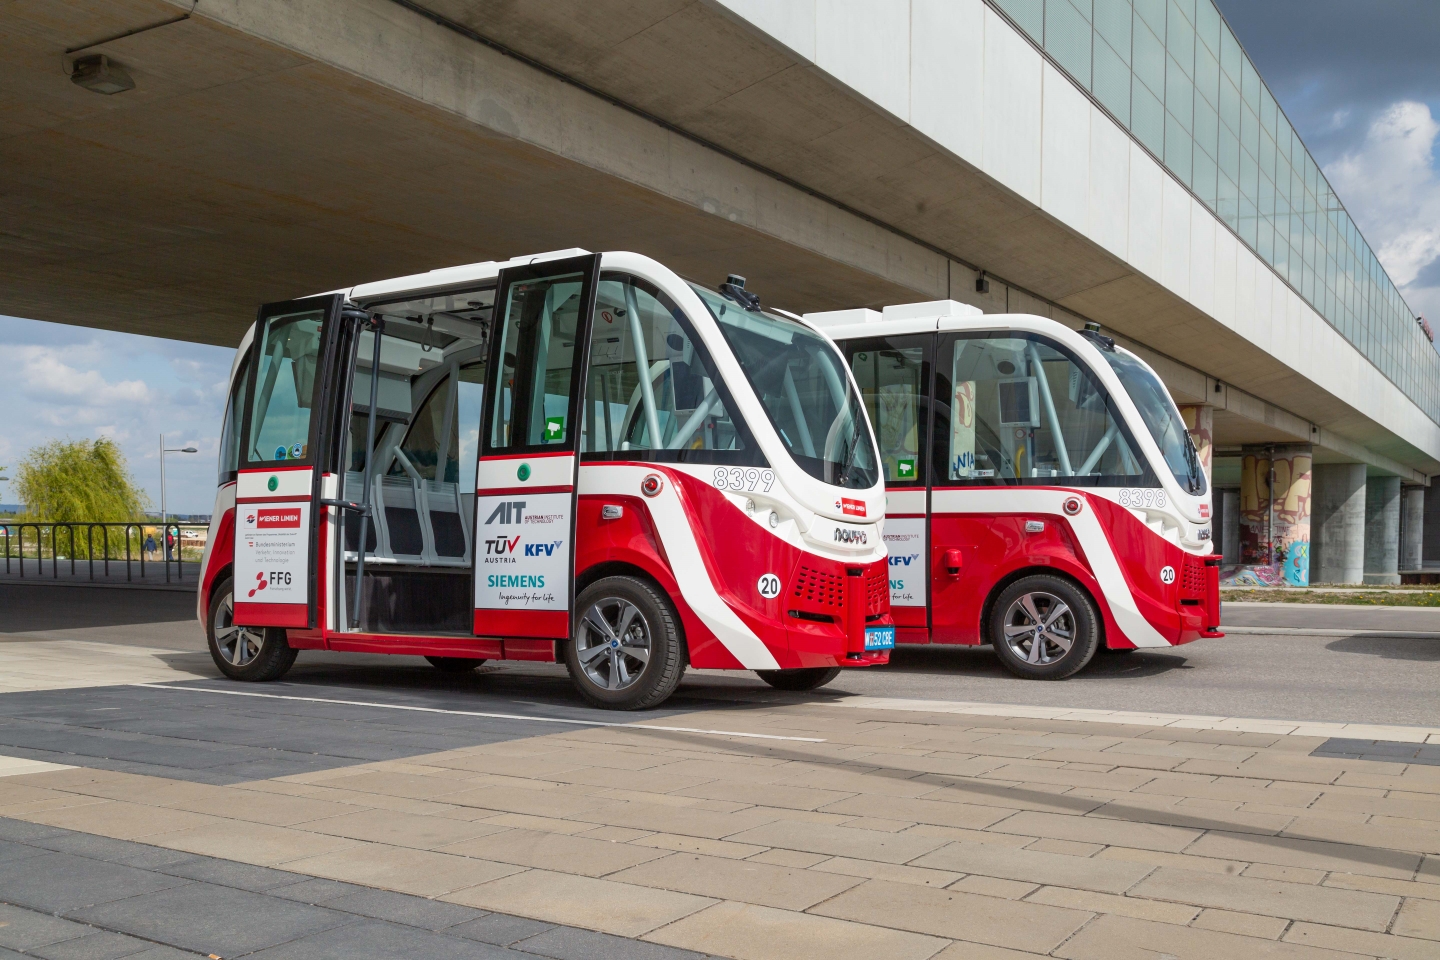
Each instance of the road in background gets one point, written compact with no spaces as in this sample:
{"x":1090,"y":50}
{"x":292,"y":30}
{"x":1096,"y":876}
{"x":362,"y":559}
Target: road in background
{"x":1284,"y":675}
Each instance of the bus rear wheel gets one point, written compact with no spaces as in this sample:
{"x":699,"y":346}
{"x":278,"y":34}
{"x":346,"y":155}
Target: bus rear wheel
{"x":1044,"y":628}
{"x":627,"y":652}
{"x":454,"y":664}
{"x":804,"y":678}
{"x":255,"y":654}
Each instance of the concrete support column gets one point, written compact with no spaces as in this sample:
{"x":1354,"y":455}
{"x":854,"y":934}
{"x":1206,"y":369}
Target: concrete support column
{"x":1412,"y":528}
{"x":1337,"y":523}
{"x":1274,"y":513}
{"x":1200,"y":421}
{"x":1382,"y":530}
{"x":1229,"y":523}
{"x":1430,"y":548}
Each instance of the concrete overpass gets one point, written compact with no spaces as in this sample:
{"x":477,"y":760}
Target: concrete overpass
{"x":837,"y":152}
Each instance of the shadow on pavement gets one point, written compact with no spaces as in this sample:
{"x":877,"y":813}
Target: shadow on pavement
{"x":1390,"y":648}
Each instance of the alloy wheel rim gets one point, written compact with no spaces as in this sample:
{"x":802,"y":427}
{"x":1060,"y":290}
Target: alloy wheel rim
{"x":1039,"y":628}
{"x":238,"y":645}
{"x":613,"y":643}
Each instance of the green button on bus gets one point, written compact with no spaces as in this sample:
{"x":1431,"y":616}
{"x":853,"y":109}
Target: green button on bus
{"x":524,"y":472}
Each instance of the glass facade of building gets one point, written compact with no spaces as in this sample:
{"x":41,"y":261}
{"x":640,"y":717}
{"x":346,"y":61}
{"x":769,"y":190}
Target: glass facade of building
{"x":1172,"y":73}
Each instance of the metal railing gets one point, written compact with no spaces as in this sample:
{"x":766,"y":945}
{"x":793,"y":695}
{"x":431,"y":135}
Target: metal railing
{"x":92,"y":550}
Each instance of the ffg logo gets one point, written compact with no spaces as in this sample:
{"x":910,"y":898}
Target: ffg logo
{"x":507,"y":512}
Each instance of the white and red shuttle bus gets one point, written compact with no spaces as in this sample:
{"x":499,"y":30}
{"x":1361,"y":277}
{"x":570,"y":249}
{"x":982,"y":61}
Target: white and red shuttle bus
{"x":570,"y":456}
{"x":1043,"y":494}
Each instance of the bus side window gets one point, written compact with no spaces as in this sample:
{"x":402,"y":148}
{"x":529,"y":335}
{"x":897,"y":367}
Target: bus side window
{"x":676,"y":405}
{"x":1020,"y":409}
{"x":234,"y":416}
{"x":893,"y":376}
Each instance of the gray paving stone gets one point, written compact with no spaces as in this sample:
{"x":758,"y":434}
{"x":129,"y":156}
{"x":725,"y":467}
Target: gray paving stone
{"x":163,"y":953}
{"x":243,"y":876}
{"x":11,"y":955}
{"x":10,"y":850}
{"x":115,"y":851}
{"x":212,"y":919}
{"x":22,"y":832}
{"x":499,"y":928}
{"x":403,"y":908}
{"x":572,"y":943}
{"x":25,"y":929}
{"x":378,"y":940}
{"x":314,"y":891}
{"x":59,"y":882}
{"x":100,"y":945}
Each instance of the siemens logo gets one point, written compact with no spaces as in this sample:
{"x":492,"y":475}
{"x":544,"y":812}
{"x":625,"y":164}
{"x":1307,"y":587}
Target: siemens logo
{"x":843,"y":535}
{"x":516,"y":580}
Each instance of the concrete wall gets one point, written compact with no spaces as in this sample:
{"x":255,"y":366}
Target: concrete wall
{"x":1337,"y":523}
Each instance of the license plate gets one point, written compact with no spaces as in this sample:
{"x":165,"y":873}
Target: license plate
{"x":879,"y":638}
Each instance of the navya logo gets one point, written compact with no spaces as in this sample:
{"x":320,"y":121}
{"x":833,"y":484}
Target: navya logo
{"x":507,"y":512}
{"x":542,"y":549}
{"x":905,"y":561}
{"x":846,"y":535}
{"x":499,"y":546}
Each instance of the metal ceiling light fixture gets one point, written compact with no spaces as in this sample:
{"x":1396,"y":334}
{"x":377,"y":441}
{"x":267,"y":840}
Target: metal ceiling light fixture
{"x":97,"y":73}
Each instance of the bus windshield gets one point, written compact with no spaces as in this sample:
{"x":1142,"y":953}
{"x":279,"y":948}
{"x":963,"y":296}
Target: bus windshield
{"x":1161,"y":418}
{"x":802,"y":383}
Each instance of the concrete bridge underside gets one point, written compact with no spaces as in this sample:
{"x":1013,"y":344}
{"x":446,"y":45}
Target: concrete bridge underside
{"x":273,"y":149}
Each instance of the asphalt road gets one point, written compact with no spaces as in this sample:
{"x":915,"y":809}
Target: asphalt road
{"x":1288,"y":674}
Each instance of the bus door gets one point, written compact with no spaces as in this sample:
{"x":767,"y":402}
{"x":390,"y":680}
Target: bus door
{"x":894,"y":376}
{"x":526,"y":479}
{"x":278,"y":480}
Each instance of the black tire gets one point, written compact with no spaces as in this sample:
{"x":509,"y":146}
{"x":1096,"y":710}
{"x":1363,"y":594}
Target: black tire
{"x":454,"y":664}
{"x":804,"y":678}
{"x":1078,"y":624}
{"x":262,"y":658}
{"x":664,"y":662}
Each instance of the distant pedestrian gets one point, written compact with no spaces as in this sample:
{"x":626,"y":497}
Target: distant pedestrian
{"x":150,"y":546}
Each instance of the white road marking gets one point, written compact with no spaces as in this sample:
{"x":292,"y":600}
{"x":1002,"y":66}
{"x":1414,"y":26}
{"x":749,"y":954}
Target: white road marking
{"x":477,"y":713}
{"x":1180,"y":721}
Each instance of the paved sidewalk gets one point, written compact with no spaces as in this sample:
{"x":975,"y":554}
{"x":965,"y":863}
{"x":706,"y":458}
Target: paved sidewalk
{"x":900,"y":833}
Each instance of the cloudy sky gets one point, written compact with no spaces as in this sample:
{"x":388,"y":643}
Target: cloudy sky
{"x":1360,"y":79}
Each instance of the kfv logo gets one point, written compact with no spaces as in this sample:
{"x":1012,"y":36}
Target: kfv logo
{"x":507,"y":511}
{"x":542,"y":549}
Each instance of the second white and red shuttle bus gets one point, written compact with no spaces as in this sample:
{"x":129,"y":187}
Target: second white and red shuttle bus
{"x":571,"y":456}
{"x":1043,"y":494}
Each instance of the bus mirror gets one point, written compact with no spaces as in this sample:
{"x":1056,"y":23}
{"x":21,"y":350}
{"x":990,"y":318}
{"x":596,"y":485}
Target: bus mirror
{"x":953,"y":561}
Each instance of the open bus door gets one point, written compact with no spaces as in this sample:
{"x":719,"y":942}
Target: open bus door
{"x":278,"y":479}
{"x":528,"y":472}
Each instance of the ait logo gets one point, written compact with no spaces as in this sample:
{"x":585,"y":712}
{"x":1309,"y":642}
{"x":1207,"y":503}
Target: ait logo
{"x":259,"y":584}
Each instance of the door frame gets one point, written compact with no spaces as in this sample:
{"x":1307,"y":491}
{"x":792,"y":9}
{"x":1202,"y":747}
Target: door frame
{"x":315,"y":459}
{"x":554,"y":480}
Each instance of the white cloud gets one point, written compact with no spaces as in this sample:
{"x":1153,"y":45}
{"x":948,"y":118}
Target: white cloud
{"x":73,"y":382}
{"x":1389,"y":185}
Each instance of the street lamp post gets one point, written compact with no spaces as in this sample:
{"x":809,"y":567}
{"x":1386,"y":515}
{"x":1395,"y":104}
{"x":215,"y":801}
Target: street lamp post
{"x":164,"y":517}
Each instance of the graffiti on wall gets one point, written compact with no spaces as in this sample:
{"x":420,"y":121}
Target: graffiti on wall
{"x":1274,"y":517}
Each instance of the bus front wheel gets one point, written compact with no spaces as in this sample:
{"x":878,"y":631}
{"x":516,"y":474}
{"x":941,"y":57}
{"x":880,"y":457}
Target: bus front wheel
{"x":627,"y":652}
{"x":1044,"y":628}
{"x":244,"y":653}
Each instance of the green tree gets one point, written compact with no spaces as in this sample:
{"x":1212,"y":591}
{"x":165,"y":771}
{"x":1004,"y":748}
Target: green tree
{"x":78,"y":480}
